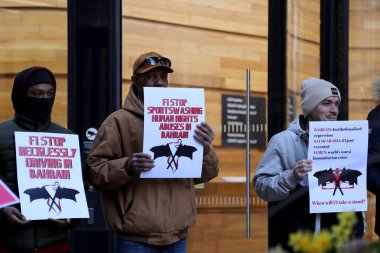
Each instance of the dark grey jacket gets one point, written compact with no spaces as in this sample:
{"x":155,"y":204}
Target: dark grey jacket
{"x":32,"y":115}
{"x":373,"y":167}
{"x":35,"y":234}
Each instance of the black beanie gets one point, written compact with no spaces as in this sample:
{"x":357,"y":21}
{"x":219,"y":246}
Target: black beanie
{"x":38,"y":76}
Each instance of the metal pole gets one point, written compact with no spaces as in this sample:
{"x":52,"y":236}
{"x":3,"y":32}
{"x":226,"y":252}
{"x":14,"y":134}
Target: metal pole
{"x":247,"y":156}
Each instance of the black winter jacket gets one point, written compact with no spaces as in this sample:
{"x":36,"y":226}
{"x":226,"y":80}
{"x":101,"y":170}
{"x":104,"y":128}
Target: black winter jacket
{"x":35,"y":234}
{"x":31,"y":115}
{"x":373,"y":166}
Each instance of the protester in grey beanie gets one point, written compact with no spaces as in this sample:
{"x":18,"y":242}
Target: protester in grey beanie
{"x":314,"y":91}
{"x":282,"y":175}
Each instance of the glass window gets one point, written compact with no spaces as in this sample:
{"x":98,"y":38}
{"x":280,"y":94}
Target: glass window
{"x":303,"y":47}
{"x":33,"y":33}
{"x":364,"y":57}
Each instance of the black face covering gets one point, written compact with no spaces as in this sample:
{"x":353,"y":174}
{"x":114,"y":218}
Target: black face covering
{"x":37,"y":108}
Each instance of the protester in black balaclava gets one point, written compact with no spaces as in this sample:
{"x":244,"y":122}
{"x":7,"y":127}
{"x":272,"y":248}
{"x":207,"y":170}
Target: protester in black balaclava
{"x":37,"y":108}
{"x":33,"y":96}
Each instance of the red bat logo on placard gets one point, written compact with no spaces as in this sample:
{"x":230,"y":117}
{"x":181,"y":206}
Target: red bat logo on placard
{"x":337,"y":177}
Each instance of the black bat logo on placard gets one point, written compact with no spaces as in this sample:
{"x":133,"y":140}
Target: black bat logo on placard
{"x":55,"y":201}
{"x":337,"y":176}
{"x":185,"y":150}
{"x":182,"y":151}
{"x":162,"y":150}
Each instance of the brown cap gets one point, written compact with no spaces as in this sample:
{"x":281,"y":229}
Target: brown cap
{"x":141,"y":66}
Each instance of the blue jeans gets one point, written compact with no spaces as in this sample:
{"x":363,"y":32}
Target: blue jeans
{"x":125,"y":246}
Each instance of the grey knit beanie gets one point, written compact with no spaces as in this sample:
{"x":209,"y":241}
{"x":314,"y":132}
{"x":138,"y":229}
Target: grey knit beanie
{"x":314,"y":91}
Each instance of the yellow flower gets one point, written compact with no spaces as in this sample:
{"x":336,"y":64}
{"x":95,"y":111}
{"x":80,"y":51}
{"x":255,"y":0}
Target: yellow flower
{"x":304,"y":243}
{"x":325,"y":241}
{"x":315,"y":248}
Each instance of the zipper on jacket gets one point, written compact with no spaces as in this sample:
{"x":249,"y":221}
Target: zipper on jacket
{"x":35,"y":123}
{"x":35,"y":233}
{"x":165,"y":220}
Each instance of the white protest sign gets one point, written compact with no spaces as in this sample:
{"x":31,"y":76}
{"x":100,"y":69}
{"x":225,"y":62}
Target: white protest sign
{"x":170,"y":117}
{"x":49,"y":175}
{"x":7,"y":197}
{"x":337,"y":182}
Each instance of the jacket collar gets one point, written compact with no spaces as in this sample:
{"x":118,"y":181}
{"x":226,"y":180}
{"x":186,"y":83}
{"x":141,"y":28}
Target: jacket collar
{"x":298,"y":126}
{"x":31,"y":124}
